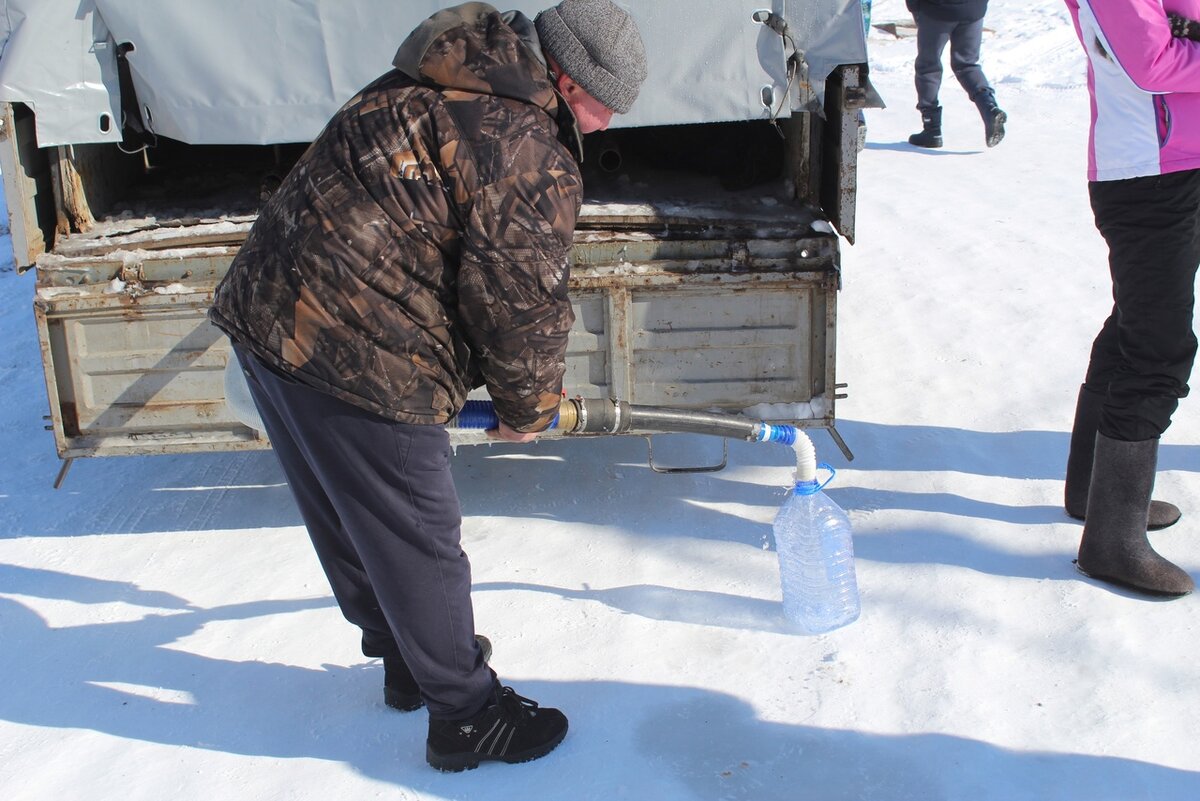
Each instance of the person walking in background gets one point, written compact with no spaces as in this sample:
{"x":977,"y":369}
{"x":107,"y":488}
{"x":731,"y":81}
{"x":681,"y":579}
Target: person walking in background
{"x":417,"y":250}
{"x":1144,"y":185}
{"x":865,"y":5}
{"x":959,"y":22}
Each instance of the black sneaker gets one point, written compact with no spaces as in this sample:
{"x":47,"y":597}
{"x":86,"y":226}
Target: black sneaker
{"x":400,"y":690}
{"x":509,"y":729}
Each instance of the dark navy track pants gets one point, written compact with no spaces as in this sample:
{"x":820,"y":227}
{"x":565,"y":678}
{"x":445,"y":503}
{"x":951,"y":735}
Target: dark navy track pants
{"x":380,"y":506}
{"x":965,"y":41}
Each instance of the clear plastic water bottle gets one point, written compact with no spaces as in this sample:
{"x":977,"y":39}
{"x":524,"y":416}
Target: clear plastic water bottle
{"x":816,"y":560}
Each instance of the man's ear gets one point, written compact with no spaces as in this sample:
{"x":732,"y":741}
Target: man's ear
{"x":565,"y":85}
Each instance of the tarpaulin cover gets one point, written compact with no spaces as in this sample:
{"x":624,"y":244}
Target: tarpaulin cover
{"x":273,"y":71}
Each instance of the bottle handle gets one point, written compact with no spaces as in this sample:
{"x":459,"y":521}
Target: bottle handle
{"x":832,"y":473}
{"x":812,"y":487}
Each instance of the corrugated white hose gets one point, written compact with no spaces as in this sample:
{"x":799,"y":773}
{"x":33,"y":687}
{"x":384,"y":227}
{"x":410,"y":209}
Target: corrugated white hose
{"x":806,"y":458}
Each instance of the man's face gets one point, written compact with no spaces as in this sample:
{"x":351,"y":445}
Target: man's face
{"x":590,"y":113}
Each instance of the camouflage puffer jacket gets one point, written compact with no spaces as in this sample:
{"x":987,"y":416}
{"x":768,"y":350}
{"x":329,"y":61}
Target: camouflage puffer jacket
{"x":419,"y":247}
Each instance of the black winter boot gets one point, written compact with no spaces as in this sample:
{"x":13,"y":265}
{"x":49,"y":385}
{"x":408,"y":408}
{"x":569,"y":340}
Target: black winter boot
{"x":993,"y":117}
{"x":1079,"y":464}
{"x":400,"y":689}
{"x":509,"y":729}
{"x":931,"y":134}
{"x":1114,"y":546}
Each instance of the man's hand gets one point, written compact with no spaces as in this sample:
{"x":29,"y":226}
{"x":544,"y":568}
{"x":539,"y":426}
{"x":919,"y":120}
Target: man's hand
{"x":1184,"y":28}
{"x":506,"y":434}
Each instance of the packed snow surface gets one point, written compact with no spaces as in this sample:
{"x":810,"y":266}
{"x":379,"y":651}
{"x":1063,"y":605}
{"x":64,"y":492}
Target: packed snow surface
{"x":166,"y":632}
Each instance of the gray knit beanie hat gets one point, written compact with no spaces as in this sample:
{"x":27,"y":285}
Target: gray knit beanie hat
{"x":598,"y":45}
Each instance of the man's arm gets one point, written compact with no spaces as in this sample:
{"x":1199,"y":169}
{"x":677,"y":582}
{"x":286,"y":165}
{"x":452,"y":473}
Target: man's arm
{"x":512,"y":286}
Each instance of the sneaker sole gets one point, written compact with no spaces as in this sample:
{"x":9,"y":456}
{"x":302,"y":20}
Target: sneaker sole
{"x":996,"y":130}
{"x":405,"y":702}
{"x":456,"y":763}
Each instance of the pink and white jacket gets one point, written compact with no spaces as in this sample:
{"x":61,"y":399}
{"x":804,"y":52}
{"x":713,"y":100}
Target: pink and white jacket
{"x":1145,"y":87}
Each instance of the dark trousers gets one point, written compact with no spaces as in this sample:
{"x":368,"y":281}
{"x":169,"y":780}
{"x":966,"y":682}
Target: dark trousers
{"x":964,"y":39}
{"x":379,"y":503}
{"x":1143,"y":356}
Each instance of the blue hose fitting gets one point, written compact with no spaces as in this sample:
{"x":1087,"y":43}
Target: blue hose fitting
{"x":481,"y":414}
{"x":478,"y":414}
{"x":777,"y":432}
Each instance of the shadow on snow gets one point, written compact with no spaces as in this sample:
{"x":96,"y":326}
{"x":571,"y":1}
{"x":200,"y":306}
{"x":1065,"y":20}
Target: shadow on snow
{"x":111,"y":678}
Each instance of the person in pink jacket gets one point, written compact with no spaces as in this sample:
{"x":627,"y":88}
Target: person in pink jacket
{"x":1144,"y":186}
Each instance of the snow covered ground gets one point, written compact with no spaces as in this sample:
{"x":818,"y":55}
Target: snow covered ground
{"x":165,"y":631}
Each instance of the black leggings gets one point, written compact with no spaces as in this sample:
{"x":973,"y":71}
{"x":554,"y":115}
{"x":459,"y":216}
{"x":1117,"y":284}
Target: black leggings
{"x":1143,"y":356}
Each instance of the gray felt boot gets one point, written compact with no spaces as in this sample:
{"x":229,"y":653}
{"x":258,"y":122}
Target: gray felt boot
{"x":1079,"y":464}
{"x":1114,"y":546}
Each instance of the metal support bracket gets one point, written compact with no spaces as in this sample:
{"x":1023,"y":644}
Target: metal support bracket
{"x":841,"y":443}
{"x":697,"y":469}
{"x":62,"y":472}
